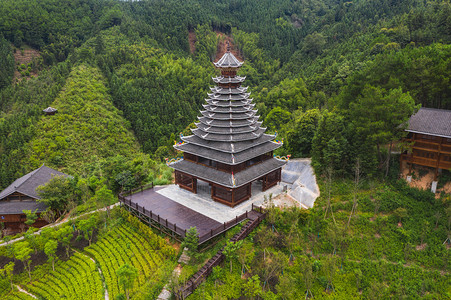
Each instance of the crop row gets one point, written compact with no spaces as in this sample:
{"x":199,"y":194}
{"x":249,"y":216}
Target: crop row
{"x":120,"y":246}
{"x":76,"y":278}
{"x":19,"y":296}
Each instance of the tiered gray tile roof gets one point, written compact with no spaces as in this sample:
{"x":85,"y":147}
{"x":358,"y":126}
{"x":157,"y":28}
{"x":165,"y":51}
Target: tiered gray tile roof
{"x":431,"y":121}
{"x":229,"y":132}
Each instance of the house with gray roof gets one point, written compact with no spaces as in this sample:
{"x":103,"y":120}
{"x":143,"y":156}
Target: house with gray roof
{"x":429,"y":134}
{"x":22,"y":195}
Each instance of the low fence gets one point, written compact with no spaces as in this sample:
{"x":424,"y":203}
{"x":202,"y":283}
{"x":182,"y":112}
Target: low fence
{"x":219,"y":257}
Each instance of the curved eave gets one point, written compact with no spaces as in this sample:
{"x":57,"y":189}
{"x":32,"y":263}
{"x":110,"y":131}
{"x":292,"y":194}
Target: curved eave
{"x":229,"y":97}
{"x":225,"y":130}
{"x":229,"y":116}
{"x":228,"y":147}
{"x":229,"y":103}
{"x":226,"y":179}
{"x":226,"y":91}
{"x":230,"y":109}
{"x":229,"y":137}
{"x":222,"y":79}
{"x":227,"y":124}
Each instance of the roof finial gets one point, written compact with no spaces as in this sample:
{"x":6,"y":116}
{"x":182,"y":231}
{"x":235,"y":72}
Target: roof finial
{"x":228,"y":46}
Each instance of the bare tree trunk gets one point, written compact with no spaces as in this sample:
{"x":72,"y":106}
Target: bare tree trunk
{"x":387,"y":164}
{"x":357,"y":175}
{"x":329,"y":188}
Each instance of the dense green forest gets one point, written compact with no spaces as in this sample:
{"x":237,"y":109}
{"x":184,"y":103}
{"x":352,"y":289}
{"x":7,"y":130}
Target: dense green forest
{"x":336,"y":79}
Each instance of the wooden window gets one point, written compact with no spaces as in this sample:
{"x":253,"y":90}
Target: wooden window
{"x":222,"y":193}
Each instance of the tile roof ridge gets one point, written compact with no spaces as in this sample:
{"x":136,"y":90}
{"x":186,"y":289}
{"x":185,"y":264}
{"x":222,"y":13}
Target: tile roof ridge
{"x":31,"y":175}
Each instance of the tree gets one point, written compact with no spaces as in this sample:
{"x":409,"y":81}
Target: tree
{"x":245,"y":253}
{"x":31,"y":216}
{"x":191,"y":240}
{"x":105,"y":198}
{"x":126,"y":275}
{"x":382,"y":116}
{"x":30,"y":237}
{"x":400,"y":213}
{"x":57,"y":194}
{"x":64,"y":235}
{"x":87,"y":227}
{"x":276,"y":118}
{"x":300,"y":133}
{"x":313,"y":43}
{"x":252,"y":287}
{"x":50,"y":250}
{"x":230,"y":251}
{"x":357,"y":175}
{"x":22,"y":252}
{"x":330,"y":269}
{"x":7,"y":273}
{"x":307,"y":271}
{"x":329,"y":145}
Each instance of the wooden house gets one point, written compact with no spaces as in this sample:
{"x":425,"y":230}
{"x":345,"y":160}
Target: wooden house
{"x":21,"y":195}
{"x":229,"y":149}
{"x":430,"y":138}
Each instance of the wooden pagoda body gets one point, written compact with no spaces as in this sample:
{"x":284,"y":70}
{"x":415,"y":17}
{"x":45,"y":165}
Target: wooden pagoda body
{"x":229,"y":149}
{"x":430,"y":138}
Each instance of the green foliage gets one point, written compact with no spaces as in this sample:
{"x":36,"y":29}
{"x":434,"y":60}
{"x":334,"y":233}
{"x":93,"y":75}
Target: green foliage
{"x":57,"y":193}
{"x":50,"y":250}
{"x":191,"y":241}
{"x":329,"y":145}
{"x":126,"y":275}
{"x":7,"y":273}
{"x":87,"y":125}
{"x":31,"y":216}
{"x":88,"y":226}
{"x":300,"y":132}
{"x":276,"y":118}
{"x":6,"y":63}
{"x":22,"y":252}
{"x":21,"y":107}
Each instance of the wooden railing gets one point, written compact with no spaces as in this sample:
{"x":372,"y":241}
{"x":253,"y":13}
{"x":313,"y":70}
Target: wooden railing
{"x":172,"y":229}
{"x":219,"y":257}
{"x":138,"y":189}
{"x":153,"y":219}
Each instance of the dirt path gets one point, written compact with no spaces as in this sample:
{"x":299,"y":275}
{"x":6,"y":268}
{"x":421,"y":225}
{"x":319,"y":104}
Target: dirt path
{"x":62,"y":222}
{"x":192,"y":41}
{"x":24,"y":291}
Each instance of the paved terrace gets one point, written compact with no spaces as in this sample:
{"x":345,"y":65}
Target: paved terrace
{"x":186,"y":209}
{"x":203,"y":204}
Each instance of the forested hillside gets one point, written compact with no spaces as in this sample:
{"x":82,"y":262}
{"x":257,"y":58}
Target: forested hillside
{"x":337,"y":80}
{"x":87,"y":125}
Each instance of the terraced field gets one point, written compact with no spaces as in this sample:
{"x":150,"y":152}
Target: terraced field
{"x":124,"y":245}
{"x":79,"y":277}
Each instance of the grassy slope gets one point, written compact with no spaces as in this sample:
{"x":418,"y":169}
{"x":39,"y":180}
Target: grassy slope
{"x":375,"y":258}
{"x":86,"y":126}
